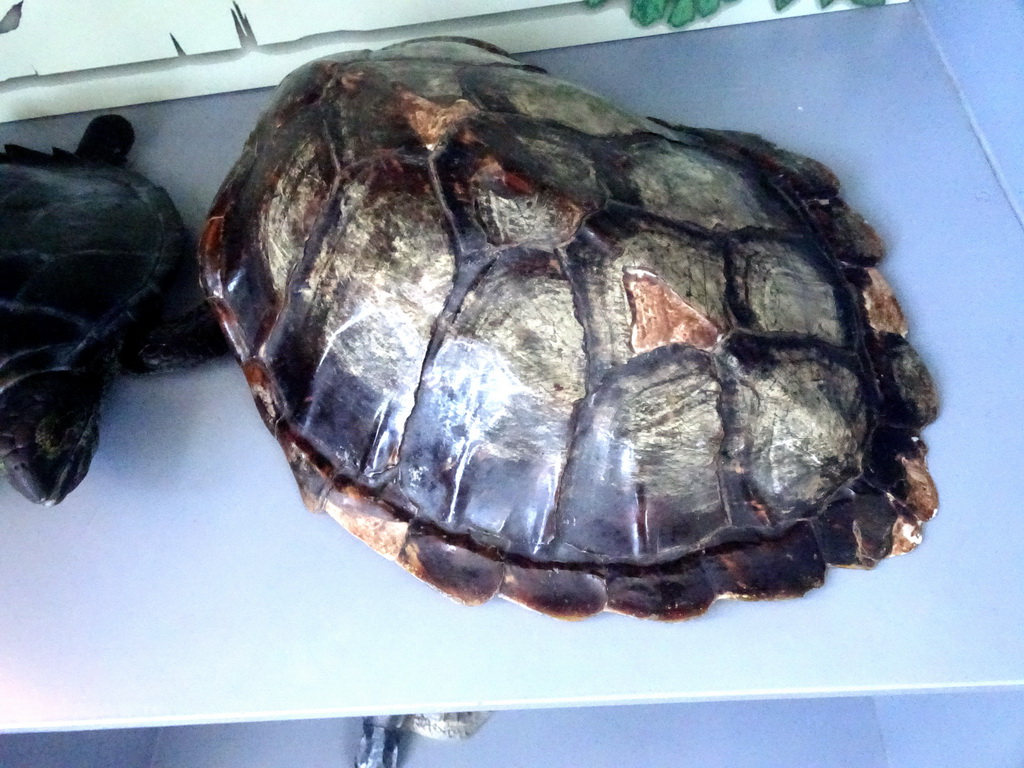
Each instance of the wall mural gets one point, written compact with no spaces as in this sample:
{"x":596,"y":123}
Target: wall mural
{"x":680,"y":13}
{"x":60,"y":56}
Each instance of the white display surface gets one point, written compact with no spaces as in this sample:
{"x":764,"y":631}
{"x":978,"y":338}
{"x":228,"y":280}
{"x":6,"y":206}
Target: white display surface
{"x":185,"y":582}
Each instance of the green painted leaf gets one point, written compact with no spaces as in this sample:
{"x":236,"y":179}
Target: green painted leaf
{"x":682,"y":14}
{"x":706,"y":7}
{"x":646,"y":12}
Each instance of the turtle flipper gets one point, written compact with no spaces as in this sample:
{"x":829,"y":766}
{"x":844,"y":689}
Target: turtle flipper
{"x":107,"y":139}
{"x":182,"y":342}
{"x":379,"y":745}
{"x":49,"y":432}
{"x":383,"y":736}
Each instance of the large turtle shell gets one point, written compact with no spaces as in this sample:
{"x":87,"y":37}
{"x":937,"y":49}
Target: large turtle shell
{"x":86,"y":250}
{"x":526,"y":343}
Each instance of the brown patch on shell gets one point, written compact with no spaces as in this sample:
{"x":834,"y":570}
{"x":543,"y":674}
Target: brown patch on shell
{"x":311,"y":481}
{"x":851,"y":239}
{"x":661,"y":316}
{"x":263,"y":391}
{"x":460,"y":573}
{"x":922,"y":497}
{"x":431,"y":121}
{"x":501,"y":196}
{"x":493,"y":176}
{"x":368,"y":519}
{"x":211,"y":242}
{"x":907,"y":533}
{"x":564,"y":594}
{"x":883,"y":311}
{"x":921,"y":502}
{"x":352,"y":80}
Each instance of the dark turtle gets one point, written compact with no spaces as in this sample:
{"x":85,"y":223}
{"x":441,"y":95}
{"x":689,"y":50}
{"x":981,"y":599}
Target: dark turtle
{"x":87,"y":249}
{"x":526,"y":343}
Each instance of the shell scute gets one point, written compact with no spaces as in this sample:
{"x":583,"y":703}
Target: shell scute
{"x":856,"y":530}
{"x":665,"y":596}
{"x":559,"y":592}
{"x":787,"y":566}
{"x":796,"y":417}
{"x":641,"y":483}
{"x":486,"y":442}
{"x":468,"y":577}
{"x":685,"y":184}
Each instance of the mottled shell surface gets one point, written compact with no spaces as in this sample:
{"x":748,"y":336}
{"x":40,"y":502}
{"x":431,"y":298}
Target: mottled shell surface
{"x":86,"y":251}
{"x":526,"y":343}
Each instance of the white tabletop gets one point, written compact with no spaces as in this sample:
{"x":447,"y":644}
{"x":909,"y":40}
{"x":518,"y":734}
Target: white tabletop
{"x":185,"y":582}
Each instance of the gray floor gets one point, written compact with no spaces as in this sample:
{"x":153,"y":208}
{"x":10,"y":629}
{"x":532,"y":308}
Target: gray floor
{"x":979,"y":730}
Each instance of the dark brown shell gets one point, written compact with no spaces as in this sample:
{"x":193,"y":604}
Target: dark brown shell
{"x":526,"y":343}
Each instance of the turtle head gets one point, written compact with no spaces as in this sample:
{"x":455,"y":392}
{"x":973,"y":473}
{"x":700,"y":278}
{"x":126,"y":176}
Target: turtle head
{"x":48,"y":434}
{"x":107,"y":139}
